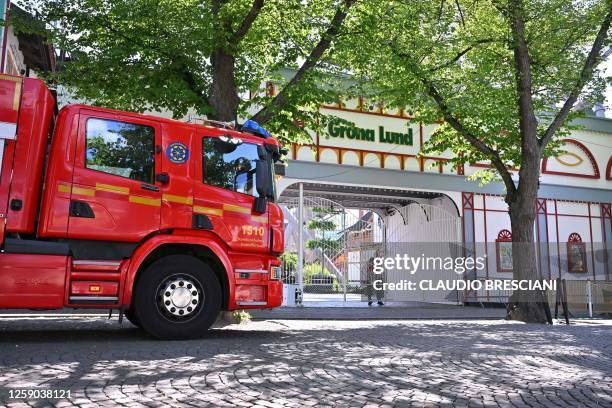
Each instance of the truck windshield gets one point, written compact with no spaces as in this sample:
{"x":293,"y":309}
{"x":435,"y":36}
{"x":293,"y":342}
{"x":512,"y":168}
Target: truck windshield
{"x":230,"y":164}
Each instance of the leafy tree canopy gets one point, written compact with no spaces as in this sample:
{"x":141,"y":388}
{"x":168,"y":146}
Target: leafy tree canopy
{"x":460,"y":55}
{"x":206,"y":56}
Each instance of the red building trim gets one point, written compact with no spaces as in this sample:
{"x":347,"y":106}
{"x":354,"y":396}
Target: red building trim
{"x":609,"y":169}
{"x":540,"y":209}
{"x":377,"y":113}
{"x":486,"y":239}
{"x":606,"y":212}
{"x":586,"y":151}
{"x":544,"y":208}
{"x":557,"y":233}
{"x":592,"y":248}
{"x":361,"y":153}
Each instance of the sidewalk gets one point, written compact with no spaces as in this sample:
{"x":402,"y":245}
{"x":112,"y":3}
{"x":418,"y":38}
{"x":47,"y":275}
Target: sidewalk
{"x":391,"y":311}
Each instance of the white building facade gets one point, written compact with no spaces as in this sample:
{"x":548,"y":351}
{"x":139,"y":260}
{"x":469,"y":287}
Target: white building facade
{"x":376,"y":147}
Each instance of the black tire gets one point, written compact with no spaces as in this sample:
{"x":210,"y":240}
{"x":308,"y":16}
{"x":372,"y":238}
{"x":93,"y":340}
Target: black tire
{"x":129,"y":314}
{"x":161,"y":293}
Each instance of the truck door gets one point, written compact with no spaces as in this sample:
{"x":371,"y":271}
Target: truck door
{"x":178,"y":175}
{"x":226,"y":192}
{"x":114,"y":196}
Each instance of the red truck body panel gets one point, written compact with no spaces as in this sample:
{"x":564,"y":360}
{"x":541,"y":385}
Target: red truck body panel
{"x":10,"y":99}
{"x":32,"y":282}
{"x":33,"y":128}
{"x":56,"y":195}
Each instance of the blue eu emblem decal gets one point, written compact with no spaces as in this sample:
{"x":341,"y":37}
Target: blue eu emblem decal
{"x":177,"y":153}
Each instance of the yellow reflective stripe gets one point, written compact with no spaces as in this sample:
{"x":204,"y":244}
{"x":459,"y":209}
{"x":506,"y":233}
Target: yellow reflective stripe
{"x":155,"y":202}
{"x":178,"y":199}
{"x":207,"y":210}
{"x":17,"y":94}
{"x":83,"y":191}
{"x":236,"y":208}
{"x":10,"y":78}
{"x":258,"y":218}
{"x":63,"y":188}
{"x":112,"y":189}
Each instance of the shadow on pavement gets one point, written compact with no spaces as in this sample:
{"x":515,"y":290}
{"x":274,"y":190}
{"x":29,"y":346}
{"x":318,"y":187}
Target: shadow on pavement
{"x":329,"y":363}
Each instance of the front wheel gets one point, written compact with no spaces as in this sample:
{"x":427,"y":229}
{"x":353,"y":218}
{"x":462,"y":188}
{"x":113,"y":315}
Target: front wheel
{"x":129,"y":314}
{"x":177,"y":297}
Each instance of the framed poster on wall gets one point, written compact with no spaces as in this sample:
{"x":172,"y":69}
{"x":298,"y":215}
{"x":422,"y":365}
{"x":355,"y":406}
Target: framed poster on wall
{"x":576,"y":254}
{"x":503,"y":249}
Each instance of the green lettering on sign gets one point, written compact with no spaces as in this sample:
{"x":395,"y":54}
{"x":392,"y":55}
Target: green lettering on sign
{"x":343,"y":129}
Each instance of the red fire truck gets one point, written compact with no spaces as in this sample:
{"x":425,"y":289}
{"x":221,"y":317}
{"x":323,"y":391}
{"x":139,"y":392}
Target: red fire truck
{"x":165,"y":221}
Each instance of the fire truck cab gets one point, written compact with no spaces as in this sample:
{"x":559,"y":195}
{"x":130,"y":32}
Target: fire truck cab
{"x":165,"y":221}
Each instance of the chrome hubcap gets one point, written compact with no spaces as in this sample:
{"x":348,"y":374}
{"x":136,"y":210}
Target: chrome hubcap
{"x":180,"y":296}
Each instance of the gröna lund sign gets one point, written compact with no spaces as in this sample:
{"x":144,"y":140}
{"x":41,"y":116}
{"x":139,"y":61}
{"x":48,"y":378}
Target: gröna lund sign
{"x":341,"y":128}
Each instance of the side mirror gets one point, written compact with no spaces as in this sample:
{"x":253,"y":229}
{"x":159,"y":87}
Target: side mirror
{"x":262,"y":184}
{"x":261,"y":152}
{"x":276,"y":152}
{"x":260,"y":205}
{"x":262,"y":178}
{"x":279,"y":169}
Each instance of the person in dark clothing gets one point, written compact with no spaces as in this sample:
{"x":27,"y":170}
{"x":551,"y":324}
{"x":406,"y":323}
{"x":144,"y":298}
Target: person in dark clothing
{"x":369,"y":282}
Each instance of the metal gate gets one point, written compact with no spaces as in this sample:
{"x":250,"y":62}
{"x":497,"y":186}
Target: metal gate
{"x":339,"y":245}
{"x":332,"y":236}
{"x":429,"y":232}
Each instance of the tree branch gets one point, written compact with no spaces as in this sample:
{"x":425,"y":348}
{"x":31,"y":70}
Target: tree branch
{"x":473,"y":140}
{"x":461,"y":54}
{"x":460,"y":12}
{"x":190,"y":80}
{"x":216,"y":6}
{"x":528,"y":123}
{"x":266,"y":113}
{"x":247,"y":22}
{"x":585,"y":75}
{"x":448,"y":116}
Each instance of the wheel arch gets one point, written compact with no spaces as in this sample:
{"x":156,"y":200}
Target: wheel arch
{"x":208,"y":251}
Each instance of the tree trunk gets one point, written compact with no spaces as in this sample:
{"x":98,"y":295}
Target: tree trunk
{"x":524,"y":305}
{"x":223,"y":94}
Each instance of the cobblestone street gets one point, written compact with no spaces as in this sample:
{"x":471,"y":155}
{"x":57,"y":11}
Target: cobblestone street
{"x":311,"y":363}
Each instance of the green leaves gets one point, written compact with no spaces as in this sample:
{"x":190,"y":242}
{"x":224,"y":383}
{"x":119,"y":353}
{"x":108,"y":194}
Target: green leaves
{"x":463,"y":52}
{"x":156,"y":54}
{"x":322,"y":225}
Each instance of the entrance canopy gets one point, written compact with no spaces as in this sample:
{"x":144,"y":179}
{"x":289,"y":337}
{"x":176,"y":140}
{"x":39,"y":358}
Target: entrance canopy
{"x":332,"y":231}
{"x":359,"y":197}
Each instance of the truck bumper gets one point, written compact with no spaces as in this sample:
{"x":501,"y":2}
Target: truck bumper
{"x":258,"y":296}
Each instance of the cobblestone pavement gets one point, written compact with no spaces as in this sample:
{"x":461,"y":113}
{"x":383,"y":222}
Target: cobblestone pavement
{"x":311,"y":363}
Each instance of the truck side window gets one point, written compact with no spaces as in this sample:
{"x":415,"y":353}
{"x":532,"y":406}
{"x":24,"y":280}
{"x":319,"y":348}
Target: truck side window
{"x":229,"y":165}
{"x":122,"y":149}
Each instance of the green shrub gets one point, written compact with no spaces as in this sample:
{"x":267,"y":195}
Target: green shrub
{"x":321,"y":225}
{"x":289,"y":260}
{"x":311,"y":269}
{"x":241,"y":316}
{"x":325,"y":244}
